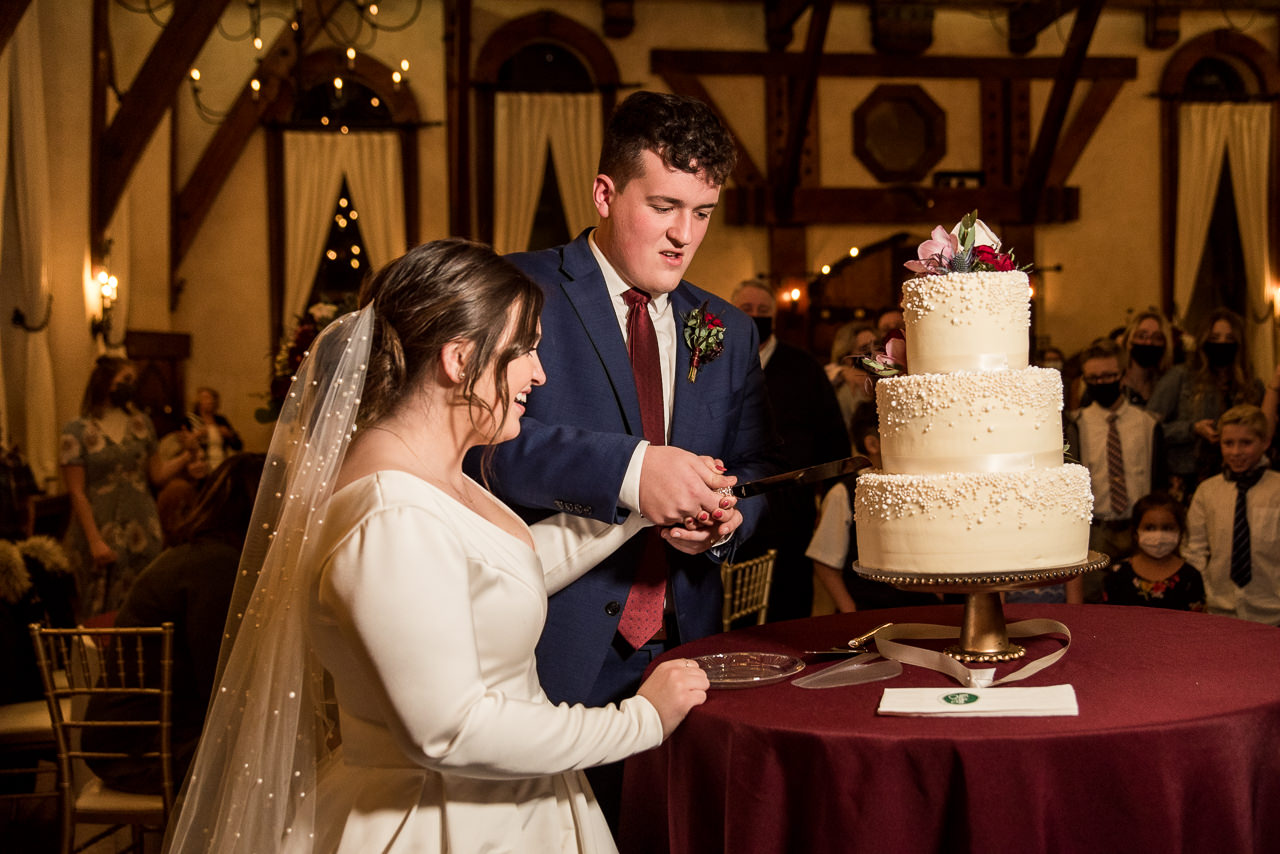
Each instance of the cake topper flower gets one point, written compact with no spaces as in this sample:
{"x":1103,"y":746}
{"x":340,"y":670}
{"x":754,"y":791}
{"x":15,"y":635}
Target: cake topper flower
{"x":970,"y":247}
{"x":704,"y":333}
{"x":889,"y":360}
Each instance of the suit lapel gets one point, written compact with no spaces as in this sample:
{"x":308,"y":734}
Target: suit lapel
{"x":584,"y":287}
{"x":684,"y":406}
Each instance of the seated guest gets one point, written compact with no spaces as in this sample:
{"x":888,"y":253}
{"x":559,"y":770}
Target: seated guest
{"x":1233,"y":526}
{"x":1155,"y":575}
{"x":190,"y":586}
{"x":808,"y":420}
{"x":1121,"y":445}
{"x":849,"y":381}
{"x":214,"y":431}
{"x":178,"y":496}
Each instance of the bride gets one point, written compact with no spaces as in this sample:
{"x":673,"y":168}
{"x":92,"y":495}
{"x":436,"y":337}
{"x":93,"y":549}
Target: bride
{"x":378,"y":688}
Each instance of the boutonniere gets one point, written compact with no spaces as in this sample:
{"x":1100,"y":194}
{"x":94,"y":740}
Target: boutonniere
{"x":704,"y":333}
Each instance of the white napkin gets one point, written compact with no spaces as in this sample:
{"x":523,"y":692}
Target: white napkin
{"x":988,"y":702}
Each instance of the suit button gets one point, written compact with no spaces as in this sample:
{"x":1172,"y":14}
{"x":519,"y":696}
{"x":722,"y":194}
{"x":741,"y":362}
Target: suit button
{"x":612,"y":609}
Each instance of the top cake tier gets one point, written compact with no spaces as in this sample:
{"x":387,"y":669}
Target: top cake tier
{"x":967,"y":322}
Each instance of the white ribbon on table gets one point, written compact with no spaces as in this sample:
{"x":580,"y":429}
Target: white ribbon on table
{"x":978,"y":677}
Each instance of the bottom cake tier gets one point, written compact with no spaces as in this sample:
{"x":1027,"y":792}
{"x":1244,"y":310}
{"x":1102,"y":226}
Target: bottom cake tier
{"x":961,"y":523}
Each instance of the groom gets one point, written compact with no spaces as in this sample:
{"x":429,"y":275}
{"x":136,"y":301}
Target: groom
{"x":622,"y":425}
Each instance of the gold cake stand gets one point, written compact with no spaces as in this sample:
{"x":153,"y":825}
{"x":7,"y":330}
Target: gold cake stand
{"x":984,"y":636}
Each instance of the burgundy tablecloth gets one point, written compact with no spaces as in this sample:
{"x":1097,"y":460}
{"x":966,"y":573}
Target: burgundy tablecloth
{"x":1176,"y":748}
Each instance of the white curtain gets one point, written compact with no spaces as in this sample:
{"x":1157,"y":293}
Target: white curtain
{"x":1202,"y":139}
{"x":315,"y":164}
{"x":521,"y":124}
{"x":31,"y":188}
{"x":575,"y":147}
{"x":525,"y":125}
{"x":1249,"y":147}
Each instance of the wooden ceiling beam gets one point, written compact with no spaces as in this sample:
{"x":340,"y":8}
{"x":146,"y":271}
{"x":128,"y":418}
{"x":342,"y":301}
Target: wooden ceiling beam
{"x":800,"y":107}
{"x":1027,"y":20}
{"x":758,"y":63}
{"x":10,"y":14}
{"x":780,"y":17}
{"x":1055,"y":112}
{"x":147,"y":100}
{"x":746,"y":173}
{"x":197,"y":195}
{"x":898,"y":204}
{"x":1097,"y":100}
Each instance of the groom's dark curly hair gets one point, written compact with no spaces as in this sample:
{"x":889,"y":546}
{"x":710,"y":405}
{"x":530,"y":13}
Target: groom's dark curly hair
{"x":683,"y":131}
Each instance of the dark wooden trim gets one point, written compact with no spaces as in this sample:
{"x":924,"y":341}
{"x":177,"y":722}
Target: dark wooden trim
{"x":802,"y":104}
{"x":542,"y":26}
{"x":780,"y":17}
{"x":1028,"y":20}
{"x":410,"y":187}
{"x":275,"y":233}
{"x":746,"y":172}
{"x":1055,"y":113}
{"x":903,"y":204}
{"x":10,"y":15}
{"x":755,"y":63}
{"x":142,"y":107}
{"x":1097,"y":100}
{"x":101,"y":79}
{"x":457,"y":70}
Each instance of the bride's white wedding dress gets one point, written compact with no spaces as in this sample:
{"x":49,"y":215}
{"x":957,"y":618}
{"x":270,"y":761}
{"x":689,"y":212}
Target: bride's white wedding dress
{"x":426,"y":616}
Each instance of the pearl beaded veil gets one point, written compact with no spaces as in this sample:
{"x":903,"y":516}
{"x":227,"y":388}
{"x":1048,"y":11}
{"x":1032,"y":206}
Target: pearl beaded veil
{"x":266,"y":734}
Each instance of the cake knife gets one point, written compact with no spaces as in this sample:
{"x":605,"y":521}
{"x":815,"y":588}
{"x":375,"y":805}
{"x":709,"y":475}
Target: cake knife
{"x":812,"y":474}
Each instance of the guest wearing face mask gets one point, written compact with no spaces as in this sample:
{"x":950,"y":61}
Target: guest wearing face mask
{"x":1121,"y":445}
{"x":1190,"y":398}
{"x":108,"y":461}
{"x":1147,"y":345}
{"x":808,"y":420}
{"x":1155,"y":575}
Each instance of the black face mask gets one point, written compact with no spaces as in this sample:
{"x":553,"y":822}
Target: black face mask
{"x":1146,"y":355}
{"x":1220,"y":354}
{"x":121,"y":395}
{"x":764,"y":325}
{"x":1105,"y":394}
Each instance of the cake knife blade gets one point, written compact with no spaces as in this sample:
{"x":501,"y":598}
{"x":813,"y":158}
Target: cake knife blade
{"x":855,"y":671}
{"x":811,"y":474}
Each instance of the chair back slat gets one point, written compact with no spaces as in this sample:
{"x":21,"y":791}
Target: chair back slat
{"x":131,"y":666}
{"x":746,"y":588}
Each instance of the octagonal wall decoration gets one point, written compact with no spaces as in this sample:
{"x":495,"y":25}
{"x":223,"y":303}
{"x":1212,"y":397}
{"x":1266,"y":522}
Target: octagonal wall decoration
{"x":899,"y":133}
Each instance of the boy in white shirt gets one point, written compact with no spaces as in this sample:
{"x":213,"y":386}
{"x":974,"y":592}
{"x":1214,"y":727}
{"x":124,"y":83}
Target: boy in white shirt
{"x":1233,"y":527}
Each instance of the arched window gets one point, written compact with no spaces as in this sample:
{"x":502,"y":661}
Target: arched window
{"x":545,"y":87}
{"x":1219,"y":187}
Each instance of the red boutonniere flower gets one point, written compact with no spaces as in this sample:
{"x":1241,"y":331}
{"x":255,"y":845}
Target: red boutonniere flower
{"x":704,"y":333}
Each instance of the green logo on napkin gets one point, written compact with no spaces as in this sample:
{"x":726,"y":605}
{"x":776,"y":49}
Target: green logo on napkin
{"x":959,"y":698}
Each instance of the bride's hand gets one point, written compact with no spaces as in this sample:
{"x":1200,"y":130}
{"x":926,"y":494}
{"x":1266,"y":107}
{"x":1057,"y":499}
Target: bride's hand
{"x":674,"y":688}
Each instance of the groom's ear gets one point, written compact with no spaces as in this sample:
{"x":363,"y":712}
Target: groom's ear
{"x":603,"y":193}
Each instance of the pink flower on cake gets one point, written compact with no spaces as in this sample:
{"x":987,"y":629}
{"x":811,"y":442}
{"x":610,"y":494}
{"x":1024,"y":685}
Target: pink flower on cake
{"x":889,"y":361}
{"x":935,"y":254}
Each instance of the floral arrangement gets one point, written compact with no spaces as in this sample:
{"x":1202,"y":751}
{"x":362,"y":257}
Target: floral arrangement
{"x":704,"y":333}
{"x":970,"y":247}
{"x":293,"y":348}
{"x":889,"y":360}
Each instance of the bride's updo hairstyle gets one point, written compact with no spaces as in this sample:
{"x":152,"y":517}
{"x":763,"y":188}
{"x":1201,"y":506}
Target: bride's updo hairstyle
{"x":442,"y":291}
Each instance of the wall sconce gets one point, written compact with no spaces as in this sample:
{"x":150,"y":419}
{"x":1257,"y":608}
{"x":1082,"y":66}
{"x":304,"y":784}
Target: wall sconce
{"x":101,"y":325}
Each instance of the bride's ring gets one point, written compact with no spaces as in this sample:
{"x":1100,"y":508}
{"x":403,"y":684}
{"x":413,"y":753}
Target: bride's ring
{"x":689,"y":662}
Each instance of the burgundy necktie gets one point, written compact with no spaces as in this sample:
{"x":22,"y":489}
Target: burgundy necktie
{"x":642,"y":614}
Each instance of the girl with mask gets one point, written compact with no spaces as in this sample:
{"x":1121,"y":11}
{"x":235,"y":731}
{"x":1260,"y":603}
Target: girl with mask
{"x":108,"y":462}
{"x":1155,"y":575}
{"x":1190,"y":398}
{"x":1148,"y":350}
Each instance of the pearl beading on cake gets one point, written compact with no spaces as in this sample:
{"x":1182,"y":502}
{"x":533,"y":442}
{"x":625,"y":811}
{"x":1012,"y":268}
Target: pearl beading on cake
{"x":974,"y":497}
{"x":983,"y":295}
{"x":903,"y":401}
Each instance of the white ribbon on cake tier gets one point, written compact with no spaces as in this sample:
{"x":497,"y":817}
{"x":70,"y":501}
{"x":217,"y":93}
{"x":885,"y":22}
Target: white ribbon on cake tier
{"x":985,"y":463}
{"x":970,"y":361}
{"x":978,"y":677}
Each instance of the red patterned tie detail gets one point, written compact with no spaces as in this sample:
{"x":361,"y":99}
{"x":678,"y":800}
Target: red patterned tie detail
{"x":642,"y":615}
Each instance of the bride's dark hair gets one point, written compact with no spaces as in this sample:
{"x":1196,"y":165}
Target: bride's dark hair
{"x":442,"y":291}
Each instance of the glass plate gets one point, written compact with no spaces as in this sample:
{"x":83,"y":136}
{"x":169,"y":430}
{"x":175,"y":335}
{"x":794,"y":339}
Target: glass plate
{"x":748,"y":669}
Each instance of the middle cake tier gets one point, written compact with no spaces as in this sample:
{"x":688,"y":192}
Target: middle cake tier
{"x":990,"y":421}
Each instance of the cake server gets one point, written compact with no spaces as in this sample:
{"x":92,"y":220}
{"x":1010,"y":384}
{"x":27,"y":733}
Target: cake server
{"x":867,"y":667}
{"x":812,"y":474}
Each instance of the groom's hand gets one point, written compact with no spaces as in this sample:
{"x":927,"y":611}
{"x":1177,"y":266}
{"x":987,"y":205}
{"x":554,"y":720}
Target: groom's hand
{"x":695,"y":538}
{"x":676,"y":485}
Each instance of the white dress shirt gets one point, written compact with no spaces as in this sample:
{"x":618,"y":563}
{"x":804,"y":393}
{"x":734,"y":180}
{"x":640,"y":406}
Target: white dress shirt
{"x":1137,"y":442}
{"x":1210,"y":526}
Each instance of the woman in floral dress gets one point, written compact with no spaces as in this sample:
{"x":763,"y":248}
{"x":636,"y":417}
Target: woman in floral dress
{"x":108,"y":462}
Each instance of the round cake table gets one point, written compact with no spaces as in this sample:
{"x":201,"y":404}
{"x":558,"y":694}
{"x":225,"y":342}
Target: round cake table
{"x":1176,"y":748}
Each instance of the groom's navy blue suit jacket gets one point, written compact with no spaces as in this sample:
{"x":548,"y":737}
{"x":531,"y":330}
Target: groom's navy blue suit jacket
{"x":578,"y":435}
